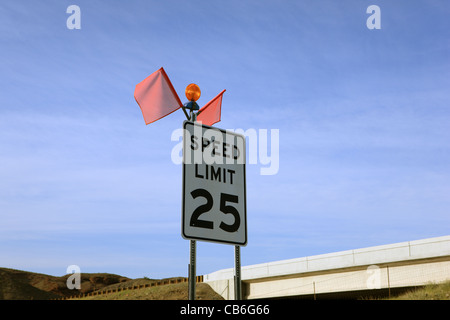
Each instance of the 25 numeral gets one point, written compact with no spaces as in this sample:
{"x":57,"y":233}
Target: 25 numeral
{"x":226,"y":209}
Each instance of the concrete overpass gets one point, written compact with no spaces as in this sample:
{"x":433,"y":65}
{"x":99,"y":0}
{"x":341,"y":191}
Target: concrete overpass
{"x":345,"y":274}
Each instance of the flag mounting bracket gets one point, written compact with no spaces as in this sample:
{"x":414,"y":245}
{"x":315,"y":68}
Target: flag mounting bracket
{"x":185,"y":113}
{"x":192,"y":106}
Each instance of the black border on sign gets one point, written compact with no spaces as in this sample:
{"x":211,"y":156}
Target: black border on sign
{"x":185,"y":123}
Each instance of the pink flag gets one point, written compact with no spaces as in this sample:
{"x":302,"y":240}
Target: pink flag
{"x":210,"y":113}
{"x":156,"y":96}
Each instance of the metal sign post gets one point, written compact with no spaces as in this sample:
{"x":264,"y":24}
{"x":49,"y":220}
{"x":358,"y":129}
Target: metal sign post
{"x":192,"y":270}
{"x":193,"y":245}
{"x":237,"y":277}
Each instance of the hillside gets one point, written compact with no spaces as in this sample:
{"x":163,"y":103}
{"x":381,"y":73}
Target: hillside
{"x":23,"y":285}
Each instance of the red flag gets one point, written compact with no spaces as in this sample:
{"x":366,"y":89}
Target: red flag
{"x":156,"y":96}
{"x":210,"y":113}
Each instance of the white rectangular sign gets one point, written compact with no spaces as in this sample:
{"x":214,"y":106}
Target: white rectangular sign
{"x":214,"y":191}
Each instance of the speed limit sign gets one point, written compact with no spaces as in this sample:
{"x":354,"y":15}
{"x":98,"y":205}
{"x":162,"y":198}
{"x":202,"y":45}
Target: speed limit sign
{"x":214,"y":191}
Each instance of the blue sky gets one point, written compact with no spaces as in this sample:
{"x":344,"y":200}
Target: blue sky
{"x":363,"y":118}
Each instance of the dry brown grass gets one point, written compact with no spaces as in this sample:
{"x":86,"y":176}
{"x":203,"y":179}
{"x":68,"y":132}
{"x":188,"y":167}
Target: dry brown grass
{"x":176,"y":291}
{"x":439,"y":291}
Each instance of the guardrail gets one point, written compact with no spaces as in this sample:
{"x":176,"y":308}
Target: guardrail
{"x":198,"y":279}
